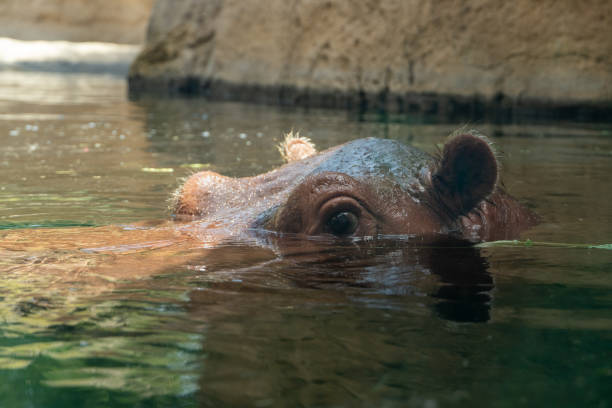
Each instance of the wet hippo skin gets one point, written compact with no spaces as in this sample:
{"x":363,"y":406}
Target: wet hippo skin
{"x":367,"y":187}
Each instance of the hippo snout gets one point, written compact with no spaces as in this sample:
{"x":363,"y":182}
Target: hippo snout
{"x":204,"y":193}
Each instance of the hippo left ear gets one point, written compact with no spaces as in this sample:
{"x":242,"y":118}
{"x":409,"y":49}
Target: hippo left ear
{"x":465,"y":175}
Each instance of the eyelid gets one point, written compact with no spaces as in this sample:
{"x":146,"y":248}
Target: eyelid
{"x":339,"y":195}
{"x":338,"y":204}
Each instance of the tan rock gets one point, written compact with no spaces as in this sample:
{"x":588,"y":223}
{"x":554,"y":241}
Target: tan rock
{"x":389,"y":52}
{"x":118,"y":21}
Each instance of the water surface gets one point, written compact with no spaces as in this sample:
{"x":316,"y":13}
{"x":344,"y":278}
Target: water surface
{"x":102,"y":306}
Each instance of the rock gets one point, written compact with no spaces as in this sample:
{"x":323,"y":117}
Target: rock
{"x":398,"y":55}
{"x":118,"y":21}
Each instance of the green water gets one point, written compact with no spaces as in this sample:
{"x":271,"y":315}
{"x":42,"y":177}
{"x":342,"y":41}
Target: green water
{"x":382,"y":324}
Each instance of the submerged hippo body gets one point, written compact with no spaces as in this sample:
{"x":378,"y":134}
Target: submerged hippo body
{"x":367,"y":187}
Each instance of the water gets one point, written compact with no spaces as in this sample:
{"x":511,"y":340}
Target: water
{"x":101,"y":305}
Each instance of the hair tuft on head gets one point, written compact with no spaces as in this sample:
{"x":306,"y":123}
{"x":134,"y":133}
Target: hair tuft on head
{"x":295,"y":147}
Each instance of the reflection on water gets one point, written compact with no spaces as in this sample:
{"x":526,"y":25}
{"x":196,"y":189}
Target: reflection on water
{"x":133,"y":313}
{"x":64,"y":56}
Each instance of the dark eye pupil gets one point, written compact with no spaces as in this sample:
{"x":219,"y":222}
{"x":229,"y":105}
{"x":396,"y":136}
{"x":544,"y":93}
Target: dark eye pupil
{"x":343,"y":223}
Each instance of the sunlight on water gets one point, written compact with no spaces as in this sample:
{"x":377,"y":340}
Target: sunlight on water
{"x":64,"y":56}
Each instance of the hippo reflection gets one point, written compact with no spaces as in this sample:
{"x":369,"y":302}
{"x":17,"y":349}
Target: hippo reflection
{"x":367,"y":187}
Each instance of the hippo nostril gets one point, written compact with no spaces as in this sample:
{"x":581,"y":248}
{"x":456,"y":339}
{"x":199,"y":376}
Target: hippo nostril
{"x":342,"y":223}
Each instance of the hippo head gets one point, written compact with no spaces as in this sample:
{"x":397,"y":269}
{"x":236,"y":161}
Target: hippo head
{"x":367,"y":187}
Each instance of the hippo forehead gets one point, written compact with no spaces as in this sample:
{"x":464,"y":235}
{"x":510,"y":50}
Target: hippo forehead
{"x":381,"y":163}
{"x":376,"y":160}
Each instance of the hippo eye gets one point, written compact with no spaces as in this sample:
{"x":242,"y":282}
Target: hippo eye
{"x":342,"y":223}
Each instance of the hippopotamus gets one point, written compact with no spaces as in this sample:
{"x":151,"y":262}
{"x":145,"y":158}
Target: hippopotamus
{"x":364,"y":188}
{"x":337,"y":218}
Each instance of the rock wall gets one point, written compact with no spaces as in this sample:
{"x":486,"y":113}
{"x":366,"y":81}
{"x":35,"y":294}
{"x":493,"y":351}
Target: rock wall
{"x":118,"y":21}
{"x":398,"y":55}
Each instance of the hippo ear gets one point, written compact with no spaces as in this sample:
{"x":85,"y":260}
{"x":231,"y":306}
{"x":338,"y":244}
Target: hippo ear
{"x":465,"y":175}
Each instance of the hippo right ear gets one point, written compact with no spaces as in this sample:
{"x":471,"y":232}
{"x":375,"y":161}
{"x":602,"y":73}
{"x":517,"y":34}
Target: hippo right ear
{"x":466,"y":174}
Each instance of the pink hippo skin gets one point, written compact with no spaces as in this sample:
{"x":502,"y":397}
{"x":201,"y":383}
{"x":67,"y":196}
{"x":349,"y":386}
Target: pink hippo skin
{"x":367,"y":187}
